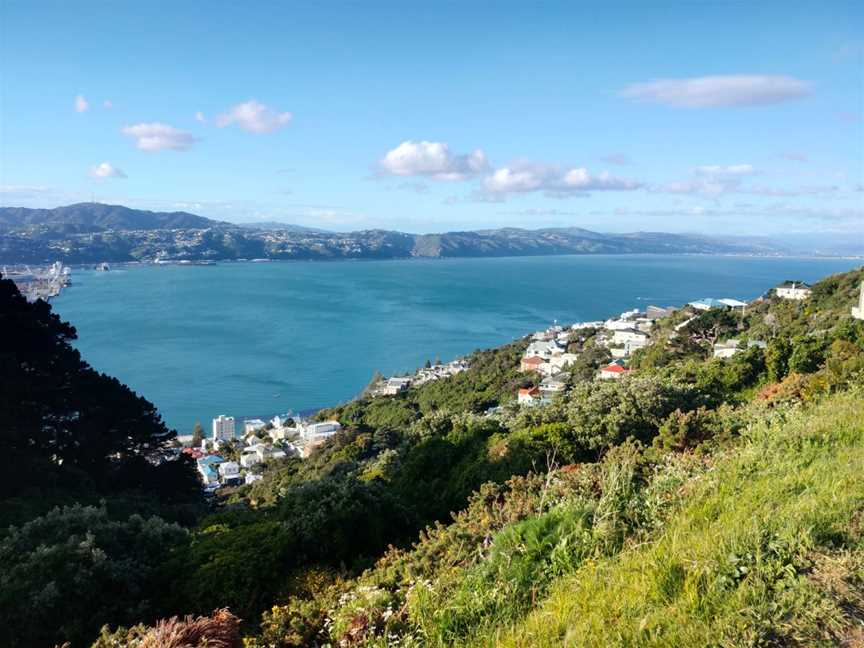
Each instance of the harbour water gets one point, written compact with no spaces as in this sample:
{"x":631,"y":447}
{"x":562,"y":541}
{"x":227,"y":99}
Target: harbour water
{"x":256,"y":339}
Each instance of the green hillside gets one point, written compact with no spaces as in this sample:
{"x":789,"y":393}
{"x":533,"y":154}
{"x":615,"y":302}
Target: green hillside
{"x":694,"y":501}
{"x":765,"y":547}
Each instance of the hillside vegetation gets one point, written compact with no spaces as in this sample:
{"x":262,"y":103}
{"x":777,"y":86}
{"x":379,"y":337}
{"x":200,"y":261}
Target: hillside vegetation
{"x":696,"y":501}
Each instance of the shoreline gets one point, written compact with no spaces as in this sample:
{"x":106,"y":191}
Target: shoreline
{"x":215,"y":262}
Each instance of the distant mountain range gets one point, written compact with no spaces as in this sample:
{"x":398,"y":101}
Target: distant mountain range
{"x":93,"y":232}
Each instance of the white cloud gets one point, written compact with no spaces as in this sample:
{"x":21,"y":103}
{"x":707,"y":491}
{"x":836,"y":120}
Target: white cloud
{"x":719,"y":91}
{"x":795,"y":156}
{"x":108,"y":104}
{"x":433,"y":160}
{"x":698,"y":186}
{"x":106,"y":170}
{"x":199,"y":117}
{"x":25,"y":190}
{"x":81,"y":104}
{"x":710,"y":180}
{"x":732,"y":170}
{"x":525,"y":178}
{"x":616,"y":158}
{"x":795,"y":191}
{"x":254,"y":117}
{"x":159,"y":137}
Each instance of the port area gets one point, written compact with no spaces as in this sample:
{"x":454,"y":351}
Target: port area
{"x":39,"y":282}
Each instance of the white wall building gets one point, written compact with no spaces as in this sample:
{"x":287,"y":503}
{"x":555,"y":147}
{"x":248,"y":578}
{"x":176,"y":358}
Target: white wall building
{"x":726,"y":349}
{"x":858,"y":311}
{"x":793,"y":290}
{"x":252,"y":425}
{"x":223,"y":428}
{"x":320,"y":431}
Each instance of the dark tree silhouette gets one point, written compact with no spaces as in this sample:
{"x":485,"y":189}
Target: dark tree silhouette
{"x":64,"y":425}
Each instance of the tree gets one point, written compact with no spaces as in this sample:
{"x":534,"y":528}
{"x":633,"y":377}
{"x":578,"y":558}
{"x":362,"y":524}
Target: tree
{"x":711,"y":325}
{"x":68,"y":572}
{"x":777,"y":358}
{"x":197,"y":434}
{"x":64,"y":427}
{"x":807,"y":355}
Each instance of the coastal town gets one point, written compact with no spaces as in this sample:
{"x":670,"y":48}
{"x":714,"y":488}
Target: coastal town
{"x":551,"y":351}
{"x":236,"y":451}
{"x":233,"y":456}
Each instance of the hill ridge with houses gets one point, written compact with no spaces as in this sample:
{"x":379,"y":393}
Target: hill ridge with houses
{"x":87,"y":233}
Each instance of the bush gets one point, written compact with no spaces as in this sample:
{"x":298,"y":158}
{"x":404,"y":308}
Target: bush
{"x":67,"y":573}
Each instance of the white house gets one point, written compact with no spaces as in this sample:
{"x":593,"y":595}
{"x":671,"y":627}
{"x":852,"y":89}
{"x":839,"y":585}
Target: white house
{"x":559,"y":362}
{"x":552,"y":385}
{"x":726,"y":349}
{"x":793,"y":290}
{"x":223,"y":428}
{"x":707,"y":303}
{"x":578,"y":326}
{"x":656,"y":312}
{"x":858,"y":311}
{"x":229,"y":473}
{"x":229,"y":469}
{"x":395,"y":386}
{"x":629,"y":336}
{"x":543,"y":349}
{"x":250,"y":426}
{"x":250,"y":456}
{"x":733,"y":303}
{"x":617,"y":325}
{"x":320,"y":431}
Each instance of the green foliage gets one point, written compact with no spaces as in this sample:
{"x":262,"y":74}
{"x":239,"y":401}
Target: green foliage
{"x":197,"y":434}
{"x":777,"y":358}
{"x":70,"y":571}
{"x":807,"y":355}
{"x":743,"y":562}
{"x":244,"y":559}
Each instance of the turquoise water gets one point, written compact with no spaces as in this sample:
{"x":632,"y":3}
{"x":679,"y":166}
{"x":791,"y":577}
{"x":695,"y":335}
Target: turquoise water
{"x":253,"y":339}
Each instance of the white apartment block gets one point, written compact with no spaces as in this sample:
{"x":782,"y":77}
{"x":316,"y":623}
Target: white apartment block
{"x":223,"y":428}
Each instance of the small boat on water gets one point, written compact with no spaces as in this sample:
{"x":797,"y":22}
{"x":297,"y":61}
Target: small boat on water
{"x":103,"y":267}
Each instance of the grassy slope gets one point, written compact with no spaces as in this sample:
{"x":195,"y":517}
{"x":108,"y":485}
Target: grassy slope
{"x":760,"y":553}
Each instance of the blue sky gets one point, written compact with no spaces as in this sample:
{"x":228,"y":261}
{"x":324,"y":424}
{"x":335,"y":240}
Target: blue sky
{"x":719,"y":117}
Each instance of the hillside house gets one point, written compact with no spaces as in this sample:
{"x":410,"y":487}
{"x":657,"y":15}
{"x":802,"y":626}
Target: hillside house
{"x":250,"y":426}
{"x":552,"y":385}
{"x":528,"y":396}
{"x":531,"y":363}
{"x":395,"y":386}
{"x":657,"y":312}
{"x":733,"y":303}
{"x":707,"y":303}
{"x":793,"y":290}
{"x":543,"y":349}
{"x":613,"y":371}
{"x":562,"y":361}
{"x":207,"y":468}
